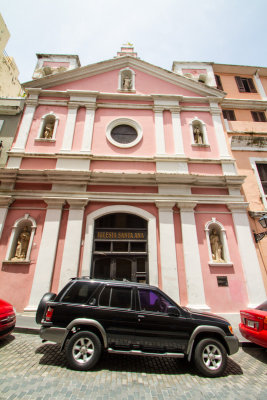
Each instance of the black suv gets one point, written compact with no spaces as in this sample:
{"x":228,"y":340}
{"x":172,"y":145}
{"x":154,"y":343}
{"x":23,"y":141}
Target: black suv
{"x":89,"y":315}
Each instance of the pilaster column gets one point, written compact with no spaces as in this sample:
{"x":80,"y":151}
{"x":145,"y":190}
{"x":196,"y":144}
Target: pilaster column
{"x":72,"y":244}
{"x":169,"y":274}
{"x":177,"y":131}
{"x":251,"y":267}
{"x":194,"y":279}
{"x":5,"y":201}
{"x":218,"y":127}
{"x":26,"y":122}
{"x":88,"y":128}
{"x":159,"y":130}
{"x":47,"y":252}
{"x":70,"y":127}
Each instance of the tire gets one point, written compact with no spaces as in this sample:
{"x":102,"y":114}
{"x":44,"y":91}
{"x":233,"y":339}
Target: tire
{"x":83,"y":350}
{"x":42,"y":305}
{"x":210,"y":357}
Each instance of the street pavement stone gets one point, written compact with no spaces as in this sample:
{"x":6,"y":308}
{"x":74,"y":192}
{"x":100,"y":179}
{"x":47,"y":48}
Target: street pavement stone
{"x":32,"y":370}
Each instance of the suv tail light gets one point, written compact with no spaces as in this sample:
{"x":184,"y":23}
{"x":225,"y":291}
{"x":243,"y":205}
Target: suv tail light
{"x":49,"y":314}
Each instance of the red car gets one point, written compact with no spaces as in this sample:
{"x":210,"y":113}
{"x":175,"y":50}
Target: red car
{"x":7,"y":318}
{"x":254,"y":324}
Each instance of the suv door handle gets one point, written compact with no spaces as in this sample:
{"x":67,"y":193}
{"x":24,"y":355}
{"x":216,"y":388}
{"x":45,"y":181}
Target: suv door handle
{"x":139,"y":317}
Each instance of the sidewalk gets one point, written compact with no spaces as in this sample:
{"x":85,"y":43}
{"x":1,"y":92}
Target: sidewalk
{"x":26,"y":324}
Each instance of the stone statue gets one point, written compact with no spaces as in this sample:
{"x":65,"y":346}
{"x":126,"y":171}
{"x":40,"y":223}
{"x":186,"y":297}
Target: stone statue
{"x":22,"y":245}
{"x":198,"y":138}
{"x":48,"y":131}
{"x":127,"y":83}
{"x":216,"y":246}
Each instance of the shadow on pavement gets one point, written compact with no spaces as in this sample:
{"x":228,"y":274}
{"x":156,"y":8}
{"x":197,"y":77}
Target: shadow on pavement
{"x":124,"y":363}
{"x":258,"y":352}
{"x":6,"y":340}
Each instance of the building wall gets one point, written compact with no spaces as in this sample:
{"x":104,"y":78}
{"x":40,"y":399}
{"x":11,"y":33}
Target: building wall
{"x":58,"y":187}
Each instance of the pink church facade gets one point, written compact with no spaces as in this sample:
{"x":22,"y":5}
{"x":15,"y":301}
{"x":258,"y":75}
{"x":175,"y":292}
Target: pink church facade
{"x":122,"y":170}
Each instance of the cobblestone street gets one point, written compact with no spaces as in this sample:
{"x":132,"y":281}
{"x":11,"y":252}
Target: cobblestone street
{"x":30,"y":369}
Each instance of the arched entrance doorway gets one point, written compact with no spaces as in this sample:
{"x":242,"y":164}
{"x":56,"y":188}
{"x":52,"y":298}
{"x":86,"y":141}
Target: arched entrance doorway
{"x":120,"y":248}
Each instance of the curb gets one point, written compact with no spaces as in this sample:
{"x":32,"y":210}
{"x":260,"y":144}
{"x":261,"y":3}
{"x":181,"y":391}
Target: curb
{"x":31,"y":331}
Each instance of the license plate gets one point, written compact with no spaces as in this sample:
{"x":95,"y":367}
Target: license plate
{"x":251,"y":324}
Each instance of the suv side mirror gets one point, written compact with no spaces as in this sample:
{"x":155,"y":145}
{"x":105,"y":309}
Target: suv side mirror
{"x":173,"y":311}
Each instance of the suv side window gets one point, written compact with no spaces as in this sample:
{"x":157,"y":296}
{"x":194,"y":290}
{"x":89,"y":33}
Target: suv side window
{"x":117,"y":297}
{"x":152,"y":301}
{"x":78,"y":293}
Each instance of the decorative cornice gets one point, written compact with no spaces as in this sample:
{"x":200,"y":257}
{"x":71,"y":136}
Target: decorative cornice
{"x":77,"y":204}
{"x":54,"y":202}
{"x":238,"y":207}
{"x":118,"y":63}
{"x":259,"y":105}
{"x":165,"y":205}
{"x":5,"y":201}
{"x":187,"y":206}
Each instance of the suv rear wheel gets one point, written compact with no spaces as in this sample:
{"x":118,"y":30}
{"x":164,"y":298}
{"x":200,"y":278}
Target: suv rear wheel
{"x":210,"y":357}
{"x":83,"y":350}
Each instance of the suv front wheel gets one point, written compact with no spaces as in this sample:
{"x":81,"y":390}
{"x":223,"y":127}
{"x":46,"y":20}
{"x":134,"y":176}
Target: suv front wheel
{"x":210,"y":357}
{"x":83,"y":350}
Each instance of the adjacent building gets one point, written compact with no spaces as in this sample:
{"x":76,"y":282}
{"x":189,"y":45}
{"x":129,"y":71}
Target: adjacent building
{"x":9,"y":82}
{"x":123,"y":170}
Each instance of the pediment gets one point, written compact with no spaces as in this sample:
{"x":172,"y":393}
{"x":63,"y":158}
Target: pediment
{"x":103,"y":77}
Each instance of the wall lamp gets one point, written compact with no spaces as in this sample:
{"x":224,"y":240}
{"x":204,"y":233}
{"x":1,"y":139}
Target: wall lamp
{"x":263,"y":222}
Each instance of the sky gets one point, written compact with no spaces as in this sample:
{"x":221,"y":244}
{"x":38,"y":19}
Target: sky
{"x":162,"y":31}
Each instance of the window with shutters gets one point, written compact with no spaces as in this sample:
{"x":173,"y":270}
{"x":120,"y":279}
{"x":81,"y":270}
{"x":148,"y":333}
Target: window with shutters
{"x":245,"y":84}
{"x":262,"y":170}
{"x":229,"y":115}
{"x":258,"y":116}
{"x":218,"y":82}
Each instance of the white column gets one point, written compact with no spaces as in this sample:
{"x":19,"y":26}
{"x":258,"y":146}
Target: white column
{"x":251,"y":267}
{"x":25,"y":126}
{"x":177,"y":132}
{"x":72,"y":245}
{"x":4,"y":204}
{"x":88,"y":128}
{"x":70,"y":127}
{"x":259,"y":86}
{"x":218,"y":127}
{"x":47,"y":253}
{"x":159,"y":130}
{"x":169,"y":274}
{"x":194,"y":279}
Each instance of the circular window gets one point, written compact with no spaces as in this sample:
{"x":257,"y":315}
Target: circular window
{"x":124,"y":132}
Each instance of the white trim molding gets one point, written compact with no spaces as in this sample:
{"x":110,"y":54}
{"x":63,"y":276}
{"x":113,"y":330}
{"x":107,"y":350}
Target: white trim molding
{"x":124,"y":121}
{"x":193,"y":271}
{"x":249,"y":258}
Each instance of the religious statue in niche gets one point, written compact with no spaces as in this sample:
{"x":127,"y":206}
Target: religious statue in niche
{"x":22,"y":245}
{"x":127,"y":83}
{"x":48,"y":130}
{"x":198,"y":135}
{"x":216,"y":247}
